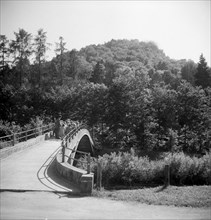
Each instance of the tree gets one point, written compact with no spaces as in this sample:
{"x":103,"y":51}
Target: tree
{"x":165,"y":112}
{"x":93,"y":102}
{"x":98,"y":73}
{"x":188,"y":71}
{"x":40,"y":47}
{"x":60,"y":49}
{"x":73,"y":61}
{"x":162,"y":65}
{"x":84,"y":69}
{"x":110,"y":70}
{"x":202,"y":76}
{"x":5,"y":70}
{"x":140,"y":117}
{"x":193,"y":114}
{"x":22,"y":49}
{"x":4,"y":51}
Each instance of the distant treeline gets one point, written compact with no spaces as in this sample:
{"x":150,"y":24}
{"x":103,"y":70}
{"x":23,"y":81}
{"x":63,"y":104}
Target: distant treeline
{"x":129,"y":92}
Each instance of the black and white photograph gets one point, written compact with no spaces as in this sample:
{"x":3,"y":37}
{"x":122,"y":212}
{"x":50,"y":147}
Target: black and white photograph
{"x":105,"y":109}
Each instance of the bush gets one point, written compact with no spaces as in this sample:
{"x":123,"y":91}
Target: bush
{"x":190,"y":170}
{"x":7,"y":128}
{"x":129,"y":170}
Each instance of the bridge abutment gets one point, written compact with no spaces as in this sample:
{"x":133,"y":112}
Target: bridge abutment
{"x":79,"y":177}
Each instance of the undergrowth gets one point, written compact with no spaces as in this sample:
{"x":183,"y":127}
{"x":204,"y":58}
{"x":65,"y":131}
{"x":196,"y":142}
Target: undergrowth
{"x":127,"y":169}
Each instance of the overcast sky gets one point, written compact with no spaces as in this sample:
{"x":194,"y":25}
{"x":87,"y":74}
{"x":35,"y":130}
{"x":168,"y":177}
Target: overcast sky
{"x":180,"y":28}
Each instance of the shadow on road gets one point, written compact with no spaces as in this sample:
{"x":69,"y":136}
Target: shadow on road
{"x":48,"y":176}
{"x":162,"y":188}
{"x":60,"y":193}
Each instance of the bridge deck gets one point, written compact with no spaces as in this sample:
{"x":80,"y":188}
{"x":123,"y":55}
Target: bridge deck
{"x":33,"y":169}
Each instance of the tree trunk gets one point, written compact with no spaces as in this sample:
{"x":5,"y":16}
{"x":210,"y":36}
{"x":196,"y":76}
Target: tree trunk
{"x":39,"y":77}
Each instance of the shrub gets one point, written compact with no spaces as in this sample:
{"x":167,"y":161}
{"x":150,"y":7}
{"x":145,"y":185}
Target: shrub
{"x":128,"y":169}
{"x":189,"y":170}
{"x":7,"y":128}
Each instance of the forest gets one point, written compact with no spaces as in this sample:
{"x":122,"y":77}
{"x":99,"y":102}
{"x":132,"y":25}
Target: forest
{"x":128,"y":92}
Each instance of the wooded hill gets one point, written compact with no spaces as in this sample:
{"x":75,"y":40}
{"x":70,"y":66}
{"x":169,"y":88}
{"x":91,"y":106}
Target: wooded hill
{"x":129,"y":92}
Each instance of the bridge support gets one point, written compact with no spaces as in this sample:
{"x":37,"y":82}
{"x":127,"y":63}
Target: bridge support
{"x":75,"y":175}
{"x":87,"y":182}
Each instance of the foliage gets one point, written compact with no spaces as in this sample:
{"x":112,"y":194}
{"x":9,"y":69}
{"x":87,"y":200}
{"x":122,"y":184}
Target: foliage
{"x":129,"y":170}
{"x":188,"y":71}
{"x":193,"y":117}
{"x":186,"y":170}
{"x":129,"y":92}
{"x":7,"y":129}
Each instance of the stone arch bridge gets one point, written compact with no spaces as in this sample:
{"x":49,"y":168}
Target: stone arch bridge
{"x":75,"y":144}
{"x":45,"y":163}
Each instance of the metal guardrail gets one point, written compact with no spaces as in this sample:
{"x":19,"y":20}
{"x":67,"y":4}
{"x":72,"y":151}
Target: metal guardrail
{"x":67,"y":138}
{"x":12,"y":139}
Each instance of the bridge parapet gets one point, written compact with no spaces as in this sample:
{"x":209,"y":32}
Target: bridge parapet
{"x":19,"y":141}
{"x":76,"y":175}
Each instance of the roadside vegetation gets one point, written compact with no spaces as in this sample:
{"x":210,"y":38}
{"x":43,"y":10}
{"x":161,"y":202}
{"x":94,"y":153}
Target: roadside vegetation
{"x":186,"y":196}
{"x":127,"y":169}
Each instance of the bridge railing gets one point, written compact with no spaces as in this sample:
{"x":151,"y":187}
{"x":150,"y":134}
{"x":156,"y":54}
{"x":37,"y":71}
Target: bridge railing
{"x":64,"y":145}
{"x":15,"y":138}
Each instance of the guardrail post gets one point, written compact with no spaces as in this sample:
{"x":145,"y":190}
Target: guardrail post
{"x":66,"y":143}
{"x":13,"y":139}
{"x":26,"y":136}
{"x":167,"y":175}
{"x":88,"y":163}
{"x":63,"y":151}
{"x":99,"y":176}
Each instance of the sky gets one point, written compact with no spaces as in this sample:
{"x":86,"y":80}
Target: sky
{"x":180,"y":28}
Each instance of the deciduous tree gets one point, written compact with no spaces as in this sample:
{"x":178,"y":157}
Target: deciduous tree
{"x":188,"y":71}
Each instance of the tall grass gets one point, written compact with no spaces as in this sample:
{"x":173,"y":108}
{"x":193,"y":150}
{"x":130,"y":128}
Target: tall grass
{"x":128,"y":169}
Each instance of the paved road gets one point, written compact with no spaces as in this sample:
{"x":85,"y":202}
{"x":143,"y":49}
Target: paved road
{"x":30,"y":189}
{"x":33,"y":169}
{"x":47,"y":205}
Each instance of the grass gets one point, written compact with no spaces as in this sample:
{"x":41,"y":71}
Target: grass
{"x":186,"y":196}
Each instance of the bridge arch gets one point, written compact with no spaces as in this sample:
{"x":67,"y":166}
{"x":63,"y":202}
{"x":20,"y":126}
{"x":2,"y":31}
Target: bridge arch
{"x":81,"y":141}
{"x":86,"y":144}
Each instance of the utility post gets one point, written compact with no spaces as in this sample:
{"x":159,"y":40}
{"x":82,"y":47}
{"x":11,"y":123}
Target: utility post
{"x":167,"y":175}
{"x":167,"y":170}
{"x":13,"y":139}
{"x":88,"y":163}
{"x":99,"y":176}
{"x":26,"y":135}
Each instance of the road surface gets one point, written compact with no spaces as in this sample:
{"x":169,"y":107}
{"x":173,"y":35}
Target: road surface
{"x":31,"y":189}
{"x":33,"y":169}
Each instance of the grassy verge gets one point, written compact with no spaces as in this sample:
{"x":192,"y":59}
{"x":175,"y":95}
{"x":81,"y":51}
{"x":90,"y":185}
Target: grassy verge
{"x":189,"y":196}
